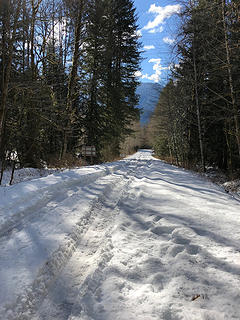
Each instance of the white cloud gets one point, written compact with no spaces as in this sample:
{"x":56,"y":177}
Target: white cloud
{"x":168,"y":40}
{"x":162,"y":13}
{"x":157,"y":67}
{"x":160,"y":29}
{"x":149,"y":47}
{"x":153,"y":77}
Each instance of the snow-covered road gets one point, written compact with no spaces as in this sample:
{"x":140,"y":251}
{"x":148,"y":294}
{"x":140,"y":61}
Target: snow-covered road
{"x":135,"y":239}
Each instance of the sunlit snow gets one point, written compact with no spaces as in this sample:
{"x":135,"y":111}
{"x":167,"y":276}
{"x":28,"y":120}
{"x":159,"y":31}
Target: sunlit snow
{"x":134,"y":239}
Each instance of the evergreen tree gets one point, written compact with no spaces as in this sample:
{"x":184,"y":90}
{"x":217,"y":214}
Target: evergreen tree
{"x":206,"y":115}
{"x":122,"y":63}
{"x":67,"y":76}
{"x":110,"y":61}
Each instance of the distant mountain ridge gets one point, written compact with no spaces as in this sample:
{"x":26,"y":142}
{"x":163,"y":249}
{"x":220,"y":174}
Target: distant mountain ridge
{"x":148,"y":98}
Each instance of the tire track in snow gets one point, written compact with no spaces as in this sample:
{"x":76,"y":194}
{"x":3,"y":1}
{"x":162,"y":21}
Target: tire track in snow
{"x":34,"y":201}
{"x":81,"y":309}
{"x":84,"y":278}
{"x":164,"y":274}
{"x":26,"y":304}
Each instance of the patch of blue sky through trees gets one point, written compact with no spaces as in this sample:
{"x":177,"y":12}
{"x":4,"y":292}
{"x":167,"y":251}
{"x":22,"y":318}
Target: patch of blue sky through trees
{"x":158,"y":23}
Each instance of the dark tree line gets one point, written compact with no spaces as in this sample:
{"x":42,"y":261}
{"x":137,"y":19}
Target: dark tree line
{"x":197,"y":120}
{"x":67,"y":77}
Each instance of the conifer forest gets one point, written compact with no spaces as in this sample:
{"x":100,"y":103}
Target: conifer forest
{"x":197,"y":119}
{"x":68,"y":78}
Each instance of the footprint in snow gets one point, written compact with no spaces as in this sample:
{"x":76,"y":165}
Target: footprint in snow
{"x":175,"y":250}
{"x":178,"y":248}
{"x":180,"y":240}
{"x":192,"y":249}
{"x":157,"y":218}
{"x":162,"y":230}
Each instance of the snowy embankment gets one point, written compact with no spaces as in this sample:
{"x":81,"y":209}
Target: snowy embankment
{"x":21,"y":199}
{"x":138,"y":239}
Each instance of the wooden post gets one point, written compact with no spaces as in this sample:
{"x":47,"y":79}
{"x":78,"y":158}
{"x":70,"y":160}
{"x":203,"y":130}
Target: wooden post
{"x":12,"y":174}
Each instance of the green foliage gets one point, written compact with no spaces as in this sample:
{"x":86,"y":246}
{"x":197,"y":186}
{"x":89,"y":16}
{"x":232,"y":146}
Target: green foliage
{"x":207,"y":42}
{"x":77,"y":86}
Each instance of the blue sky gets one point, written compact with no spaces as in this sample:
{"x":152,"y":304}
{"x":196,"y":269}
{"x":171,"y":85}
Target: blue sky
{"x":158,"y":28}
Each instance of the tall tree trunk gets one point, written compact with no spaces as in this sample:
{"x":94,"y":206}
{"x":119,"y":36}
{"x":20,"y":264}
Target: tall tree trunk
{"x":228,"y":142}
{"x":24,"y":31}
{"x":73,"y":79}
{"x":200,"y":135}
{"x":33,"y":21}
{"x":7,"y":70}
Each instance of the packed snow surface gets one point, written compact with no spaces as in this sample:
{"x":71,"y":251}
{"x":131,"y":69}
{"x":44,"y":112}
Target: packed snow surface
{"x":134,"y":239}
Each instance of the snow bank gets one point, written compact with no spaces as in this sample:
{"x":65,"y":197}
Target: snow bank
{"x":25,"y":174}
{"x":19,"y":200}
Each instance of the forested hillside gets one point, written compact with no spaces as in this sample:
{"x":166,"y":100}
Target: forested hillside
{"x":148,"y":97}
{"x":67,"y":77}
{"x":197,"y":120}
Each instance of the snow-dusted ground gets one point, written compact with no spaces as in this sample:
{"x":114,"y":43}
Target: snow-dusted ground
{"x":135,"y":239}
